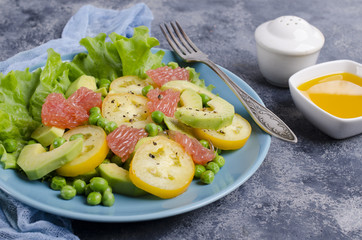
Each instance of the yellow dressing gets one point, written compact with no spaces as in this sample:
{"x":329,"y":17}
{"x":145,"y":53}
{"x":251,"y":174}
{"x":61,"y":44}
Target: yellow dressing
{"x":338,"y":94}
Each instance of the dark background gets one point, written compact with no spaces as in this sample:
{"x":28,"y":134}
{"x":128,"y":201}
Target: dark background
{"x":308,"y":190}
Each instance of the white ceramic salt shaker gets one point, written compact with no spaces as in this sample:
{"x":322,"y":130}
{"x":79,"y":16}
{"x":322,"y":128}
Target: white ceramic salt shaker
{"x":286,"y":45}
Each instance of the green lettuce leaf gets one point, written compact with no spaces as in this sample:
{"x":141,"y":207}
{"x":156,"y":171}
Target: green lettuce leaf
{"x":101,"y":61}
{"x":53,"y":78}
{"x":8,"y":160}
{"x":135,"y":52}
{"x":16,"y":89}
{"x":195,"y":78}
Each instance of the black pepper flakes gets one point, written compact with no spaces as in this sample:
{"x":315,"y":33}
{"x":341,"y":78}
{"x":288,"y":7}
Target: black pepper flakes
{"x":154,"y":143}
{"x":151,"y":155}
{"x":160,"y":96}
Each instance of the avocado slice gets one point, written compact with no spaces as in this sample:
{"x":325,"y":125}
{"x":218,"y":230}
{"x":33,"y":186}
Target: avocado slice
{"x":45,"y":135}
{"x":176,"y":125}
{"x":220,"y":112}
{"x":118,"y":179}
{"x":180,"y":86}
{"x":82,"y":81}
{"x":190,"y":98}
{"x":102,"y":90}
{"x":36,"y":162}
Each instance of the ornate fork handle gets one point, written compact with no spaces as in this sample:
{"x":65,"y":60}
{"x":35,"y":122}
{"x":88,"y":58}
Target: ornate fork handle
{"x":262,"y":116}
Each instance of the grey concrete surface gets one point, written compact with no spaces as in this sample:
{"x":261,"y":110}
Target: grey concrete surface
{"x":309,"y":190}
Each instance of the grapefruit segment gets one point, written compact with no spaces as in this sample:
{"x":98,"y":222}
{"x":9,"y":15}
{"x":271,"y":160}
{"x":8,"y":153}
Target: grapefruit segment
{"x":165,"y":74}
{"x":123,"y":140}
{"x":69,"y":113}
{"x":193,"y":147}
{"x":164,"y":101}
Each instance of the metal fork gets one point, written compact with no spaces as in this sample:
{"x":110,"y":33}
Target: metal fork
{"x":262,"y":116}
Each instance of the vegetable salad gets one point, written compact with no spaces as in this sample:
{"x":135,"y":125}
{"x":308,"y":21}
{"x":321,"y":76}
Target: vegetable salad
{"x":161,"y":160}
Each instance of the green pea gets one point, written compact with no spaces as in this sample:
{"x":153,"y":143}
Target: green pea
{"x":31,"y":142}
{"x":68,"y":192}
{"x":157,"y":116}
{"x":58,"y":141}
{"x":146,"y":89}
{"x":94,"y":198}
{"x":143,"y":75}
{"x":10,"y":145}
{"x":205,"y":99}
{"x":108,"y":189}
{"x":199,"y":169}
{"x":213,"y":167}
{"x":98,"y":184}
{"x":79,"y":185}
{"x":108,"y":198}
{"x":204,"y":143}
{"x":106,"y":86}
{"x":95,"y":110}
{"x":93,"y":118}
{"x":160,"y":129}
{"x":76,"y":136}
{"x":57,"y":183}
{"x":104,"y":83}
{"x":102,"y":122}
{"x":172,"y":65}
{"x":207,"y":177}
{"x":110,"y":127}
{"x":219,"y":160}
{"x":151,"y":129}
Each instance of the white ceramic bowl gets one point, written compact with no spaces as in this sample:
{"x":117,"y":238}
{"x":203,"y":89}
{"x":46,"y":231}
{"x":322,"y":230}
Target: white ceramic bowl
{"x":331,"y":125}
{"x":286,"y":45}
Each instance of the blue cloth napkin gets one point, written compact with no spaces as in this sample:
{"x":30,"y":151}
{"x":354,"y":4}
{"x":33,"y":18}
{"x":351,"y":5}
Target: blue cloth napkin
{"x":19,"y":221}
{"x":88,"y":21}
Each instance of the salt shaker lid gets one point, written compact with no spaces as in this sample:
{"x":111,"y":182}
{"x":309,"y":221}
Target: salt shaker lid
{"x":289,"y":35}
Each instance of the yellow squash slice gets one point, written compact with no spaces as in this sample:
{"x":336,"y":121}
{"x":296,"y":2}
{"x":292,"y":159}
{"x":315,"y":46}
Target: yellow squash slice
{"x":231,"y":137}
{"x":126,"y":109}
{"x":129,"y":84}
{"x":95,"y":150}
{"x":161,"y":167}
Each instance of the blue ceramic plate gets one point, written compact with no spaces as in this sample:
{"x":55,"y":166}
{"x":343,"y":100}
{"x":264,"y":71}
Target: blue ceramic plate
{"x":240,"y":166}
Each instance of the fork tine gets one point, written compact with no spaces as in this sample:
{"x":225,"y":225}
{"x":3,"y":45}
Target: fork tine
{"x":187,"y":38}
{"x":183,"y":40}
{"x":172,"y":40}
